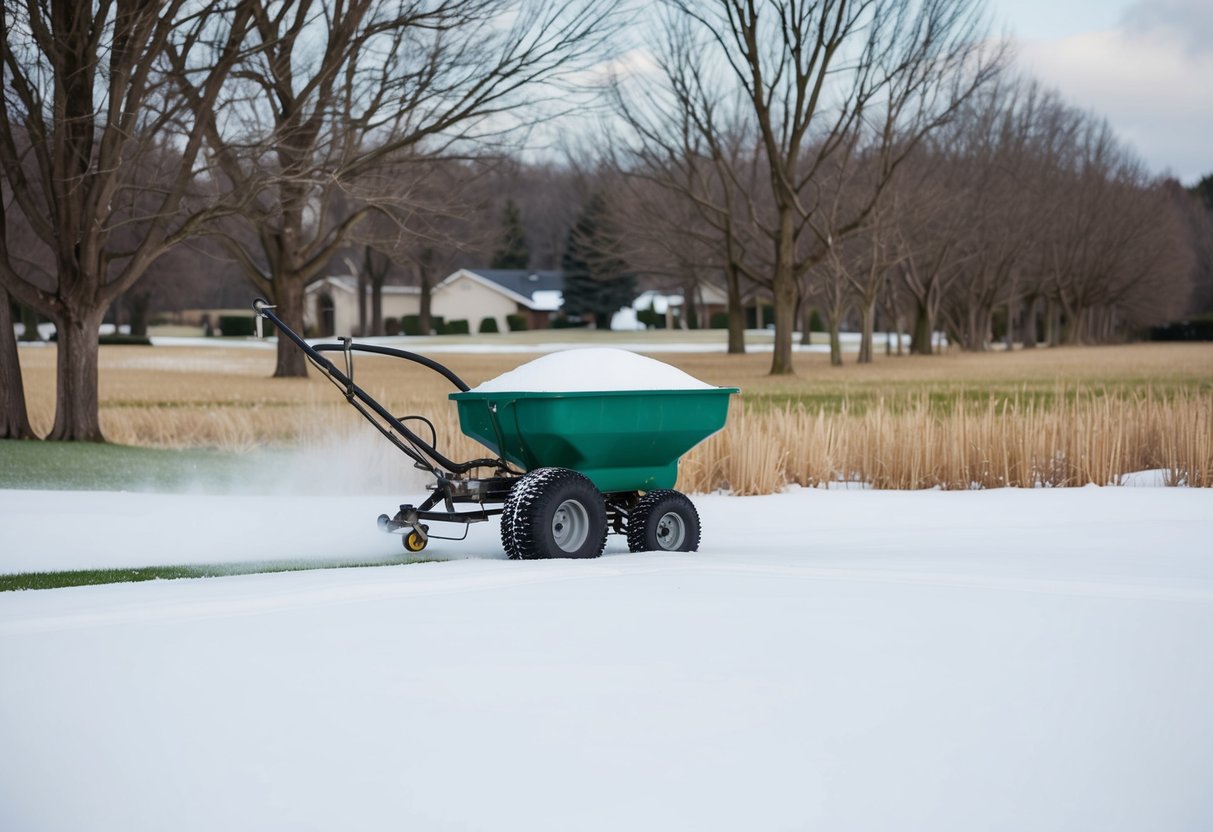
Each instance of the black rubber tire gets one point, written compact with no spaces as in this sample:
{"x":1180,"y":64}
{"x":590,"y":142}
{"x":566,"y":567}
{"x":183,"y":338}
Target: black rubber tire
{"x":529,"y":522}
{"x":650,"y":530}
{"x":507,"y":528}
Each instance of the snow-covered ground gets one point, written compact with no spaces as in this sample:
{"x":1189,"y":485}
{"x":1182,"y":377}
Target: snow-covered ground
{"x":757,"y":341}
{"x":836,"y":660}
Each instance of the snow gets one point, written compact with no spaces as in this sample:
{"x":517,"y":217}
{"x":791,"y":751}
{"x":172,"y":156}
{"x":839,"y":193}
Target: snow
{"x":759,"y":343}
{"x":843,"y":660}
{"x":1154,"y":478}
{"x":547,"y":300}
{"x":592,"y":369}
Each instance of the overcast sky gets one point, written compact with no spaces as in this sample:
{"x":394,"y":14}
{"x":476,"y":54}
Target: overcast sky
{"x":1145,"y":65}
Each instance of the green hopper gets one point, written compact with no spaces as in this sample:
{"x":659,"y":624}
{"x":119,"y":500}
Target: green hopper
{"x":621,"y":440}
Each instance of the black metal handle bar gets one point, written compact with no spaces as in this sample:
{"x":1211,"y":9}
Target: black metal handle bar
{"x":353,"y":392}
{"x":395,"y":353}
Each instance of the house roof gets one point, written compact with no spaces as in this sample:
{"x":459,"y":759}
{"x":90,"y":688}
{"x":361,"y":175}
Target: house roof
{"x":349,"y":283}
{"x":523,"y":281}
{"x":538,"y":290}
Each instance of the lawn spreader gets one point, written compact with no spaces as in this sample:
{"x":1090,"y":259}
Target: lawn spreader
{"x":569,"y":467}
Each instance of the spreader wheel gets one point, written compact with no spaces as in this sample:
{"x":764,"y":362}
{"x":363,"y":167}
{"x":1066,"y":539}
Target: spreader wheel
{"x":663,"y":521}
{"x":414,"y":542}
{"x":553,"y":513}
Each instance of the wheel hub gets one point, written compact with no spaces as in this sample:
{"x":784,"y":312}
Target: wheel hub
{"x":671,"y":531}
{"x":570,"y":525}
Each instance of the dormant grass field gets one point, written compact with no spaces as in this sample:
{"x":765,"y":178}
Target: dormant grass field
{"x":1058,"y":417}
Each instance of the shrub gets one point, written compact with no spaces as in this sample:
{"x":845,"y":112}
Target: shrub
{"x":719,"y":320}
{"x":391,"y":326}
{"x":516,"y":323}
{"x":237,"y":325}
{"x":458,"y":326}
{"x":650,"y":318}
{"x":411,"y":325}
{"x":1199,"y":329}
{"x":565,"y":323}
{"x":816,"y":324}
{"x":125,"y":340}
{"x":488,"y":324}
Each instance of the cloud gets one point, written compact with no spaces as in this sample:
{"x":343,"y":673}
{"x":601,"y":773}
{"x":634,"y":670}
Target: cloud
{"x":1186,"y":22}
{"x":1151,"y":77}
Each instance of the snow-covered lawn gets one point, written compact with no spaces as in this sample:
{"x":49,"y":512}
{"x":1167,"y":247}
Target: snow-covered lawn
{"x":834,"y":660}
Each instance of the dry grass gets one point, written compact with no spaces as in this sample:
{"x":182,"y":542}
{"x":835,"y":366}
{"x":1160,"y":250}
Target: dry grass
{"x":1085,"y":439}
{"x":1045,"y":417}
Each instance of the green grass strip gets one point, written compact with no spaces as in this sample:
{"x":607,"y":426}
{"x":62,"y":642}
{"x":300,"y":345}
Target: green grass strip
{"x":92,"y":577}
{"x":87,"y":466}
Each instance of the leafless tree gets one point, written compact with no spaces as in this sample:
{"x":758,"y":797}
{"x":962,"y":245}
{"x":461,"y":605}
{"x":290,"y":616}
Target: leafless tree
{"x":84,"y":106}
{"x":339,"y":92}
{"x":19,"y":237}
{"x":1197,"y":219}
{"x":426,"y":205}
{"x":869,"y":282}
{"x":689,"y":136}
{"x":14,"y":418}
{"x":808,"y":80}
{"x":1113,"y":255}
{"x":668,"y":243}
{"x":925,"y":237}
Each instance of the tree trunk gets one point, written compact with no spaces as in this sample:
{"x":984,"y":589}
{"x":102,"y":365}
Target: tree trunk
{"x":806,"y":324}
{"x":30,"y":318}
{"x":425,"y":314}
{"x":377,"y":278}
{"x":785,"y":326}
{"x":77,"y":417}
{"x":137,"y":306}
{"x":1052,"y":323}
{"x":895,"y":337}
{"x":835,"y":340}
{"x":736,"y":313}
{"x":784,"y":294}
{"x":377,"y":305}
{"x":688,"y":305}
{"x":14,"y":419}
{"x":289,"y":300}
{"x":362,"y":287}
{"x":869,"y":329}
{"x":1009,"y":340}
{"x":1074,"y":331}
{"x":973,"y":338}
{"x":1029,"y":323}
{"x":920,"y":339}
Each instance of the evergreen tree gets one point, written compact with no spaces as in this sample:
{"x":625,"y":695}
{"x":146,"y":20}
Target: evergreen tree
{"x":1203,"y":190}
{"x":514,"y":252}
{"x":596,"y":280}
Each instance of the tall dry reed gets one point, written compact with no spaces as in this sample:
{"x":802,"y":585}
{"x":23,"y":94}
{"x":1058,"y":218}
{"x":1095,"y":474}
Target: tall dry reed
{"x":1073,"y":440}
{"x":1076,"y":440}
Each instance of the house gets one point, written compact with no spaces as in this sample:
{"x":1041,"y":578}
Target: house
{"x":709,"y":300}
{"x":476,"y":294}
{"x":467,"y":294}
{"x":331,"y":307}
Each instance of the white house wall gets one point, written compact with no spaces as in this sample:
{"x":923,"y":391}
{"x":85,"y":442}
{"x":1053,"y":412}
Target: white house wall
{"x":464,"y":298}
{"x":395,"y":306}
{"x":345,"y":307}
